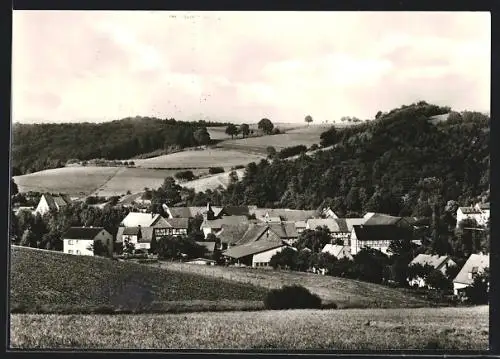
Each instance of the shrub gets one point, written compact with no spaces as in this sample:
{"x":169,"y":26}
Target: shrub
{"x":237,"y":167}
{"x":292,"y":151}
{"x":291,"y":297}
{"x":215,"y":170}
{"x":185,"y":175}
{"x":314,"y":147}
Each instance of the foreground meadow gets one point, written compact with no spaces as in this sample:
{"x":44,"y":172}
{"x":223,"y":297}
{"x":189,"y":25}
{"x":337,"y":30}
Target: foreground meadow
{"x":349,"y":329}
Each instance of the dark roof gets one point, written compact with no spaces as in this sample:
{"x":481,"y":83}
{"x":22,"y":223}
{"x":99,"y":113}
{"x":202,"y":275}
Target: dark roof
{"x":293,"y":215}
{"x":284,"y":230}
{"x":469,"y":210}
{"x":56,"y":201}
{"x":82,"y":232}
{"x":210,"y":246}
{"x":435,"y":261}
{"x":254,"y":232}
{"x":178,"y":222}
{"x":252,"y":248}
{"x":235,"y":211}
{"x":132,"y":231}
{"x":218,"y":223}
{"x":484,"y":206}
{"x":379,"y":232}
{"x":232,"y":233}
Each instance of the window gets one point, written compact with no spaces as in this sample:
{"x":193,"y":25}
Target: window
{"x":77,"y":251}
{"x":70,"y":251}
{"x":70,"y":242}
{"x":161,"y":232}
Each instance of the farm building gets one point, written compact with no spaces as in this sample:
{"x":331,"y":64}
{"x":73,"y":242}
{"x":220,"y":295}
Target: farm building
{"x":237,"y":210}
{"x":215,"y":225}
{"x":437,"y":262}
{"x":338,"y":228}
{"x":254,"y":254}
{"x":50,"y":202}
{"x":142,"y":228}
{"x":284,"y":232}
{"x":480,"y":213}
{"x":82,"y":240}
{"x":378,"y":231}
{"x":202,"y":261}
{"x":231,"y":233}
{"x":338,"y":251}
{"x":476,"y":264}
{"x":191,"y":212}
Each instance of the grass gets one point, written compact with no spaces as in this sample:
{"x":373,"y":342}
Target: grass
{"x":56,"y":282}
{"x":350,"y":329}
{"x":212,"y":182}
{"x":199,"y":159}
{"x":346,"y":293}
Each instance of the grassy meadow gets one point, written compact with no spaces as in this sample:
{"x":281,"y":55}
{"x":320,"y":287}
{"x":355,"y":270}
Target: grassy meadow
{"x":346,"y":293}
{"x":212,"y":182}
{"x":349,"y":329}
{"x":45,"y":281}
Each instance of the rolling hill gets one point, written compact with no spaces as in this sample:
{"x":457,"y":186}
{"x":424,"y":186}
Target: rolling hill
{"x":58,"y":282}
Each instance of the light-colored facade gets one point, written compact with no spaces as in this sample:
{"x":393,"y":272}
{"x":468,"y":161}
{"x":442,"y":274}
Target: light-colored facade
{"x":84,"y":246}
{"x":262,"y":259}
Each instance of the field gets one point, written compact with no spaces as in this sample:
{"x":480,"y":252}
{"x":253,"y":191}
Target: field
{"x":200,"y":159}
{"x":346,"y":293}
{"x":212,"y":182}
{"x":349,"y":329}
{"x":57,"y":282}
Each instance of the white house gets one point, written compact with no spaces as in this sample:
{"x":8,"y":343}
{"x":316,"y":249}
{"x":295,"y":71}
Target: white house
{"x":338,"y":251}
{"x":441,"y":263}
{"x":480,"y":213}
{"x":50,"y":202}
{"x":476,"y":264}
{"x":82,"y":240}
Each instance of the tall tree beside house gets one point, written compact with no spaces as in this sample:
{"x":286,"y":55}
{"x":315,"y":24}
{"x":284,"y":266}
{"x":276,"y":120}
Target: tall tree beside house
{"x":231,"y":130}
{"x":245,"y":130}
{"x":370,"y":265}
{"x":202,"y":136}
{"x":315,"y":239}
{"x":437,"y":280}
{"x":308,"y":119}
{"x":170,"y":247}
{"x":477,"y":293}
{"x":266,"y":126}
{"x":99,"y":249}
{"x":29,"y":239}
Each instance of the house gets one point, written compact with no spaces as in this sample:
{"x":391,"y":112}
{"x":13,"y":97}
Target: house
{"x":328,"y":213}
{"x":284,"y":214}
{"x":191,"y":212}
{"x":441,"y":263}
{"x":202,"y":261}
{"x":338,"y":251}
{"x":215,"y":225}
{"x":231,"y":233}
{"x":300,"y":226}
{"x":254,"y":254}
{"x":476,"y":264}
{"x":480,"y":213}
{"x":338,"y":228}
{"x":50,"y":202}
{"x":377,"y":232}
{"x":82,"y":240}
{"x":142,"y":228}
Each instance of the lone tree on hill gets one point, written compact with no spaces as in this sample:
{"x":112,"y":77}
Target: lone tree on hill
{"x":308,"y":119}
{"x":245,"y":130}
{"x":266,"y":125}
{"x":202,"y":136}
{"x":231,"y":130}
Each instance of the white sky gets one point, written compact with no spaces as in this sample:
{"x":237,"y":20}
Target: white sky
{"x":73,"y":66}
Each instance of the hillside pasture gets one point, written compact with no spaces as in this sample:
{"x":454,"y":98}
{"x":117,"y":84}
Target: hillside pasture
{"x":135,"y":180}
{"x":48,"y":281}
{"x":202,"y":159}
{"x":212,"y":182}
{"x":346,"y":293}
{"x":70,"y":180}
{"x":350,"y":329}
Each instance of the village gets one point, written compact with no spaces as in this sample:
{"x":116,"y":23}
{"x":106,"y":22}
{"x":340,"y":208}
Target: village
{"x":248,"y":236}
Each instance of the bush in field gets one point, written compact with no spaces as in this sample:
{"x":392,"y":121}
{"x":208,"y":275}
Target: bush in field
{"x":215,"y":170}
{"x":314,"y":147}
{"x":185,"y":175}
{"x":291,"y":297}
{"x":292,"y":151}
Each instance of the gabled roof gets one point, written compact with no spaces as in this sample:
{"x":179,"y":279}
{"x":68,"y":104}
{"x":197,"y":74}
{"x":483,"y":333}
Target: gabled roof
{"x":178,"y":223}
{"x":351,"y":222}
{"x":469,"y":210}
{"x":210,"y":246}
{"x":56,"y":201}
{"x":285,"y":230}
{"x":235,"y":211}
{"x":82,"y":232}
{"x":232,"y":233}
{"x":435,"y":261}
{"x":475,"y":261}
{"x":252,"y":248}
{"x":253,"y":233}
{"x":337,"y":250}
{"x":379,"y":233}
{"x":484,"y":206}
{"x":378,"y":219}
{"x":191,"y":212}
{"x":132,"y":231}
{"x":136,"y":219}
{"x":284,"y":214}
{"x":334,"y":225}
{"x":231,"y":220}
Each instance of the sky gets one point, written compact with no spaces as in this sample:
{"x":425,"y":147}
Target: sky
{"x":75,"y":66}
